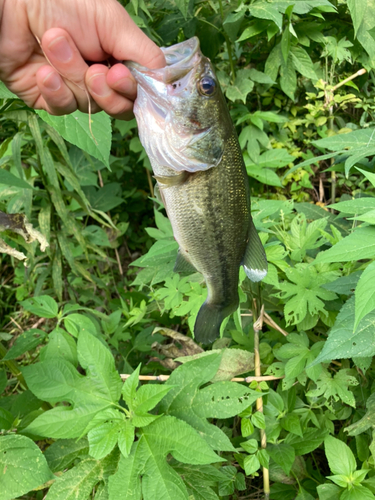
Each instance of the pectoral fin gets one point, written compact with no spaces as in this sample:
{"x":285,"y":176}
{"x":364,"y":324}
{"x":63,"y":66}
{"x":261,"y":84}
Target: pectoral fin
{"x":254,"y":261}
{"x":183,"y":265}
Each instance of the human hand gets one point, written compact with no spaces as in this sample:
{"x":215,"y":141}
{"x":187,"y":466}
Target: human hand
{"x":55,"y":75}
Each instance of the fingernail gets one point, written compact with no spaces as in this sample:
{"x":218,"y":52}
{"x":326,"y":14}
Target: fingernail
{"x":98,"y":85}
{"x":61,"y":49}
{"x":52,"y":81}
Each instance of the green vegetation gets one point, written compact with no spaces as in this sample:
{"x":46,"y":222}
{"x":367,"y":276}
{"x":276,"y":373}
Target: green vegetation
{"x":102,"y":300}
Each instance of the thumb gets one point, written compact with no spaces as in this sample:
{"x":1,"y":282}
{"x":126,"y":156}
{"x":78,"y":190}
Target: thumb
{"x":121,"y":38}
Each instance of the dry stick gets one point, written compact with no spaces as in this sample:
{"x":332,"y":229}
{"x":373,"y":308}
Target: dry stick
{"x":163,"y":378}
{"x":270,"y":322}
{"x":84,"y":89}
{"x":258,"y":325}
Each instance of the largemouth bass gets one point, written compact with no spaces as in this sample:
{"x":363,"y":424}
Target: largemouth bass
{"x":187,"y":132}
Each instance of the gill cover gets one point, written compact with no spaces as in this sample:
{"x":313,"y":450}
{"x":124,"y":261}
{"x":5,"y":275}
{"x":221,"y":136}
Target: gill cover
{"x":178,"y":110}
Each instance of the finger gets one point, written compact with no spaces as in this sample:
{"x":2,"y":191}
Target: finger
{"x":115,"y":104}
{"x":121,"y":37}
{"x":62,"y":53}
{"x":58,"y":98}
{"x":121,"y":80}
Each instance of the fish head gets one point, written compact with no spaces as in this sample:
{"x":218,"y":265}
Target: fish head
{"x":182,"y":116}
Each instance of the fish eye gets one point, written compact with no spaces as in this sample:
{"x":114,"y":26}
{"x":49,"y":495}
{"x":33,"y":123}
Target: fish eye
{"x":207,"y":86}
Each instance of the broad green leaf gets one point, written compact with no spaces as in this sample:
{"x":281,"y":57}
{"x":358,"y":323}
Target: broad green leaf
{"x":283,"y":454}
{"x":251,"y":464}
{"x":43,"y":306}
{"x":60,"y":345}
{"x":360,"y":242}
{"x":76,"y":323}
{"x":343,"y":342}
{"x":302,"y":62}
{"x":263,"y":10}
{"x":6,"y":419}
{"x":357,"y":11}
{"x":187,"y":402}
{"x":125,"y":484}
{"x":25,"y":342}
{"x":328,"y":491}
{"x":75,"y":129}
{"x":288,"y":78}
{"x":345,"y":285}
{"x":263,"y":175}
{"x":357,"y":492}
{"x":242,"y":86}
{"x":130,"y":386}
{"x":23,"y":466}
{"x":148,"y":396}
{"x":11,"y":180}
{"x":311,"y":439}
{"x":365,"y":294}
{"x":103,"y":437}
{"x":356,"y":206}
{"x":336,"y":387}
{"x":367,"y":421}
{"x":126,"y":438}
{"x":340,"y":457}
{"x":57,"y":380}
{"x":78,"y":482}
{"x":62,"y":453}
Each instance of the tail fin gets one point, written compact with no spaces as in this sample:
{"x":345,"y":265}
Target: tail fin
{"x":209,"y":319}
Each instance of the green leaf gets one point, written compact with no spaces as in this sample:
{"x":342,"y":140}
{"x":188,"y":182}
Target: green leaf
{"x":242,"y":86}
{"x":357,"y":492}
{"x":251,"y":464}
{"x":264,"y":10}
{"x":288,"y":78}
{"x":367,"y":421}
{"x":125,"y":484}
{"x":302,"y":62}
{"x":9,"y":179}
{"x":328,"y":491}
{"x":57,"y":380}
{"x":19,"y":453}
{"x":336,"y":387}
{"x":62,"y":453}
{"x":5,"y":93}
{"x":130,"y":386}
{"x":365,"y":294}
{"x":25,"y":342}
{"x":148,"y":396}
{"x":75,"y":129}
{"x":43,"y":306}
{"x":343,"y":342}
{"x":340,"y":457}
{"x":60,"y":345}
{"x":194,"y":405}
{"x":360,"y":242}
{"x":77,"y":483}
{"x":311,"y":439}
{"x":283,"y":454}
{"x":76,"y":323}
{"x":126,"y":438}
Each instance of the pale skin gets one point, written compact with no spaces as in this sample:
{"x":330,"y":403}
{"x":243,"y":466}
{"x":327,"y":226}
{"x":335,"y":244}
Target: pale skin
{"x":55,"y":76}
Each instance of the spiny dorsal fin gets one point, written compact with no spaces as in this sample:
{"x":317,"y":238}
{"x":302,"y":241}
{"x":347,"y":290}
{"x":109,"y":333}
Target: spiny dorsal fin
{"x":183,"y":265}
{"x":254,"y":261}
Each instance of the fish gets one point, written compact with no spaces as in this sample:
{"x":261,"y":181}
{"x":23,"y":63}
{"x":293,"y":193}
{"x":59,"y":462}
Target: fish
{"x":186,"y":129}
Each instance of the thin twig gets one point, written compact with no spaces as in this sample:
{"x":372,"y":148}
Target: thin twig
{"x":38,"y":323}
{"x":15,"y":322}
{"x":359,"y":73}
{"x":270,"y":322}
{"x":163,"y":378}
{"x":84,"y":89}
{"x":150,"y":185}
{"x":121,"y":271}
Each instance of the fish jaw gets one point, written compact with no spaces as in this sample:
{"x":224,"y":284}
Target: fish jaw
{"x":180,"y":128}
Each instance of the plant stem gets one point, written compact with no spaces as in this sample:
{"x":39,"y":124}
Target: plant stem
{"x":258,"y":324}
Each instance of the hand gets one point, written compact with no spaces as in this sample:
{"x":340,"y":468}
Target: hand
{"x":72,"y":32}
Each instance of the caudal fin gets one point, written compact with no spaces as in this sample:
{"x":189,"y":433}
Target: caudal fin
{"x":209,"y":319}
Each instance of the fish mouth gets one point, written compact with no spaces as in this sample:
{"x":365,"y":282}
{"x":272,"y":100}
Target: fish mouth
{"x":181,"y":59}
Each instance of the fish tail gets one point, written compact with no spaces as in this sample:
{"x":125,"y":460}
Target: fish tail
{"x":209,"y":319}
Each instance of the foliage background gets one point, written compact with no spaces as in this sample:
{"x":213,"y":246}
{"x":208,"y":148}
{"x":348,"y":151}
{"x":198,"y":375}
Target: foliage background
{"x":102,"y":299}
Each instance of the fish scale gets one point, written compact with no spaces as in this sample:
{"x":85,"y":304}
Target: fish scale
{"x":197,"y":161}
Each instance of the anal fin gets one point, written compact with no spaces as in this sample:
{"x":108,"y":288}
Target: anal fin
{"x":183,"y":265}
{"x":254,"y":260}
